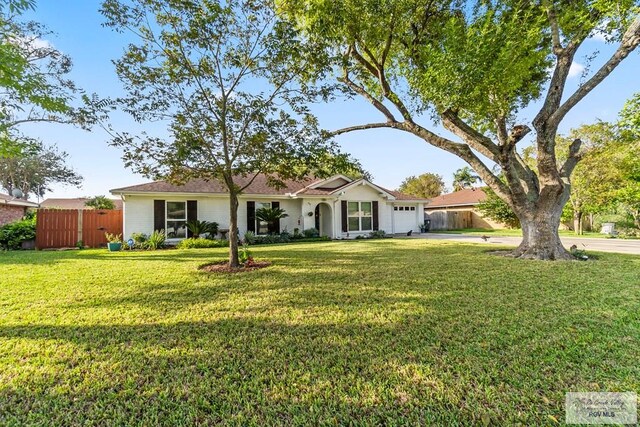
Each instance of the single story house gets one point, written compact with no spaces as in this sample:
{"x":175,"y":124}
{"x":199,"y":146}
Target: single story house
{"x":13,"y":209}
{"x":461,"y":208}
{"x":74,"y":203}
{"x":338,"y":207}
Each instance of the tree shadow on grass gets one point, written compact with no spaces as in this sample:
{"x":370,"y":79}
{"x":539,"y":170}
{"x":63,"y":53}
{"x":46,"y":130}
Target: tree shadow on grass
{"x":255,"y":370}
{"x":333,"y":250}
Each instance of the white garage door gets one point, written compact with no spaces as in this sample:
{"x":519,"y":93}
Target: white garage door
{"x":405,"y":219}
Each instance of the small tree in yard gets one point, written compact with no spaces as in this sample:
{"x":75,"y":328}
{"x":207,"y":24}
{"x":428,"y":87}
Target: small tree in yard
{"x":215,"y":73}
{"x":494,"y":208}
{"x":474,"y":68}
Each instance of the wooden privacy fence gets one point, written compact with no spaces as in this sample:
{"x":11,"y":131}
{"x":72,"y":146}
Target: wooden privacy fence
{"x":61,"y":228}
{"x":449,"y":220}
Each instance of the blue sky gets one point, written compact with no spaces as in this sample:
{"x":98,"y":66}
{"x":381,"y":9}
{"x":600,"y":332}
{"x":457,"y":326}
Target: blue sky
{"x":389,"y":155}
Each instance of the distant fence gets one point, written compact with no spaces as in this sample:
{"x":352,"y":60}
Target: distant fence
{"x":61,"y":228}
{"x":449,"y":220}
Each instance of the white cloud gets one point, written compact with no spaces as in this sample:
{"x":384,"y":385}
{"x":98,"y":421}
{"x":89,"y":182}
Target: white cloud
{"x":39,"y":43}
{"x":32,"y":42}
{"x":576,"y":69}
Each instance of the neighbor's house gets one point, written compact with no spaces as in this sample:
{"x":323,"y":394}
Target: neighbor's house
{"x":12,"y":209}
{"x":75,"y":203}
{"x":458,"y":210}
{"x":338,"y":207}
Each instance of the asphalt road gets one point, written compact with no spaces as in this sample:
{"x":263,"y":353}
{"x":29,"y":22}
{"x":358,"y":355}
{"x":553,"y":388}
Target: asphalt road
{"x":584,"y":243}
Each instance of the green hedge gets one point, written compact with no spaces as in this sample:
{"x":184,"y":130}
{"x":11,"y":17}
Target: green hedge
{"x":13,"y":234}
{"x":200,"y":242}
{"x":272,"y":239}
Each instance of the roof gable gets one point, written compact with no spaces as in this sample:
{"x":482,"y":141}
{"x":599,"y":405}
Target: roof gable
{"x":332,"y":183}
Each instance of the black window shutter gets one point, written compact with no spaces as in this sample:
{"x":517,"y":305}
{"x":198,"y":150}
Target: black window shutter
{"x":374,"y":208}
{"x":345,"y":219}
{"x":158,"y":215}
{"x":251,"y":216}
{"x":275,"y":205}
{"x":192,"y":213}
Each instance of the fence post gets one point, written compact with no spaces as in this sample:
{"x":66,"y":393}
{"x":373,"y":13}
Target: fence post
{"x":80,"y":214}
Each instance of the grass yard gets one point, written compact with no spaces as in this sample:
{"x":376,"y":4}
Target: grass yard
{"x":516,"y":232}
{"x":395,"y":332}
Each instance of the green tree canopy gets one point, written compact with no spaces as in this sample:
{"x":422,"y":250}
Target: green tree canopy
{"x":427,"y":185}
{"x":630,"y":116}
{"x":100,"y":202}
{"x":473,"y":67}
{"x":36,"y":169}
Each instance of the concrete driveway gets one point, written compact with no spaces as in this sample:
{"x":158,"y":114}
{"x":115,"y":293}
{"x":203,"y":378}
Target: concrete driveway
{"x":584,"y":243}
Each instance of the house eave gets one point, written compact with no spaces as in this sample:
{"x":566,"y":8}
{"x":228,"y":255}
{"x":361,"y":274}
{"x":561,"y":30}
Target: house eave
{"x":470,"y":205}
{"x":22,"y":204}
{"x":196,"y":194}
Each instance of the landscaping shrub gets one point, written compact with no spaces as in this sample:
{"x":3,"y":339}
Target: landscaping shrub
{"x":285,"y":237}
{"x":156,"y":240}
{"x":139,"y":240}
{"x":378,"y":234}
{"x":629,"y":233}
{"x":311,"y":232}
{"x":267,"y":239}
{"x":13,"y":234}
{"x":249,"y":237}
{"x":197,"y":243}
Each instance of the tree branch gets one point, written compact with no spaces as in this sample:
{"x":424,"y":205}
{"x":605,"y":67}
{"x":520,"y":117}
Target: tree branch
{"x":362,"y":127}
{"x":472,"y":137}
{"x":630,"y":41}
{"x":363,"y":92}
{"x":572,"y":159}
{"x":555,"y":30}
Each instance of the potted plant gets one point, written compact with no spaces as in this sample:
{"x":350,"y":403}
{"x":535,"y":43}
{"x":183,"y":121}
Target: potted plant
{"x":114,"y":242}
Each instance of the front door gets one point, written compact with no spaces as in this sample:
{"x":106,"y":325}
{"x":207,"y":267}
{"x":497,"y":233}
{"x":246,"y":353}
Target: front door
{"x":317,"y":215}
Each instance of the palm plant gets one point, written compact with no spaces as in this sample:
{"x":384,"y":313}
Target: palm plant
{"x":271,"y":216}
{"x":464,"y":178}
{"x":197,"y":228}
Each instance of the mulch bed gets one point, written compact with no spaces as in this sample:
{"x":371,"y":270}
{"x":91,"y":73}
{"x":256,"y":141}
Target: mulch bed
{"x":223,"y":267}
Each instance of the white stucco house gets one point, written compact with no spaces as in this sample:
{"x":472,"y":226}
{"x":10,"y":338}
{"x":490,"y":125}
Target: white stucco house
{"x":338,"y":207}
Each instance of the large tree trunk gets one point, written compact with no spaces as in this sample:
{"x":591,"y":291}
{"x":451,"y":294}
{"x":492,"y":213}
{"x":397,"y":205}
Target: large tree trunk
{"x":233,"y":229}
{"x":540,"y":238}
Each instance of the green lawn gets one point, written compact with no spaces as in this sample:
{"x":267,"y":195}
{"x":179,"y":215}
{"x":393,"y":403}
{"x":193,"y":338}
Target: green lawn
{"x":393,"y":331}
